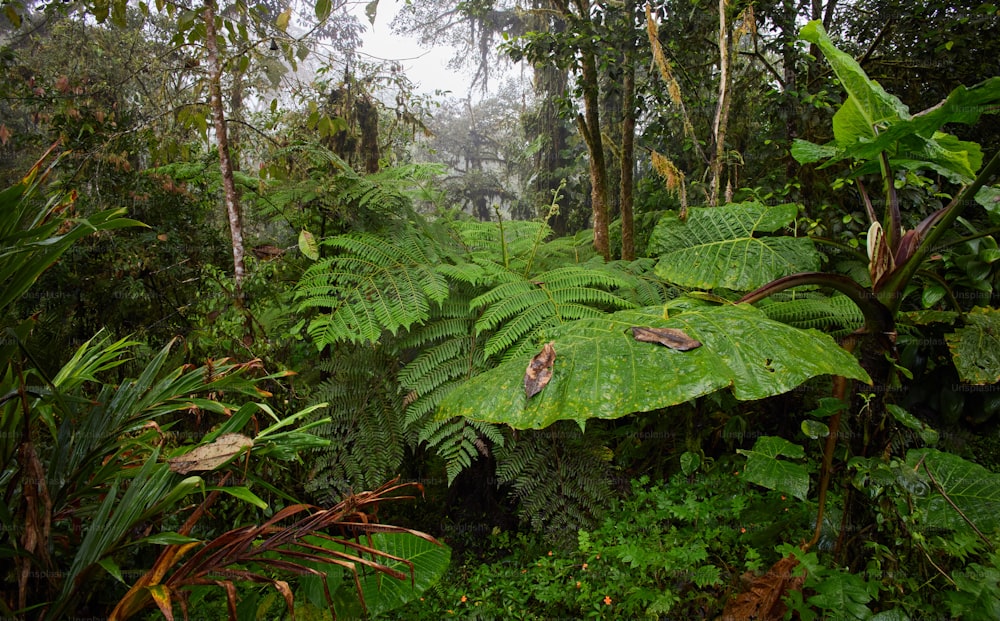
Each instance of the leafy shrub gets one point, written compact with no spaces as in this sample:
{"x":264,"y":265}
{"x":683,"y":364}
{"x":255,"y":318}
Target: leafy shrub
{"x":677,"y":547}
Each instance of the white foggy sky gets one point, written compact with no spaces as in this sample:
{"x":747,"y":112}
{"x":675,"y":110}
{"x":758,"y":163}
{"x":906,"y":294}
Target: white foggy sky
{"x":427,"y":68}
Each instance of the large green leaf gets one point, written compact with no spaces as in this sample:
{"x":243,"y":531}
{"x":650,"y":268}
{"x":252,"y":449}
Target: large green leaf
{"x":872,"y":122}
{"x":843,"y":595}
{"x":601,"y":371}
{"x":975,"y":349}
{"x":429,"y":563}
{"x":723,"y":247}
{"x":972,"y":489}
{"x":963,"y":105}
{"x":868,"y":106}
{"x":765,"y":469}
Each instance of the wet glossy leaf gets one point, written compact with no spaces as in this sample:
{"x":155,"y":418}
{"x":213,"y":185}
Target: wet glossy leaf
{"x":928,"y":435}
{"x":972,"y":488}
{"x":603,"y":372}
{"x":726,"y":247}
{"x":766,"y":469}
{"x":975,"y":349}
{"x":815,"y":429}
{"x":690,"y":462}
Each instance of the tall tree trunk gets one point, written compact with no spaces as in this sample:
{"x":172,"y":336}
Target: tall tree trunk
{"x":230,"y":197}
{"x":550,"y":84}
{"x":722,"y":110}
{"x":590,"y":127}
{"x":628,"y":142}
{"x":789,"y":60}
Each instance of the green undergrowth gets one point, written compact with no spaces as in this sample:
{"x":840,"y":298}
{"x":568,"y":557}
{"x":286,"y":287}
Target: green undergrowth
{"x":678,"y":548}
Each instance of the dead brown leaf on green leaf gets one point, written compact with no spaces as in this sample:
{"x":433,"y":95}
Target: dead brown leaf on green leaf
{"x":668,"y":337}
{"x":539,"y":370}
{"x":211,"y":456}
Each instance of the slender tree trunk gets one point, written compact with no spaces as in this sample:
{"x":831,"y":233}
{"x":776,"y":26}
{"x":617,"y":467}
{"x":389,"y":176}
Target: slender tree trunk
{"x":230,"y":196}
{"x":628,"y":143}
{"x":590,"y":127}
{"x":722,"y":110}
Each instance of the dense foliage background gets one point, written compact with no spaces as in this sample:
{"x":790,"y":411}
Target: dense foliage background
{"x":222,"y":223}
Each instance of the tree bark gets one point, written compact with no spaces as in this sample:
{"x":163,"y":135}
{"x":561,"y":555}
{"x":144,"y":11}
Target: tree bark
{"x":230,"y":196}
{"x":722,"y":110}
{"x":590,"y":126}
{"x":628,"y":144}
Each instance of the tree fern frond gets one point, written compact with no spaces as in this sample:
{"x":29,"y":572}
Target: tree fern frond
{"x":559,"y":475}
{"x":515,"y":310}
{"x":529,"y":320}
{"x":646,"y":288}
{"x":569,"y":249}
{"x":448,"y":353}
{"x":470,"y":273}
{"x":375,"y":284}
{"x":367,"y":428}
{"x":814,"y":310}
{"x":459,"y":441}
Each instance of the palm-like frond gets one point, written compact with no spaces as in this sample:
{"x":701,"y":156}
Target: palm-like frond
{"x":291,"y":541}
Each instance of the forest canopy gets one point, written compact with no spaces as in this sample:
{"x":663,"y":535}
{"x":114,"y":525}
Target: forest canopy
{"x":694,"y":315}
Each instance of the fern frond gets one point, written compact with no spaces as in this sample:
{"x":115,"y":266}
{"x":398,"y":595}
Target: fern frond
{"x":519,"y":308}
{"x":367,"y":430}
{"x":560,"y":476}
{"x":569,"y":249}
{"x":814,"y":310}
{"x":447,"y":352}
{"x":374,"y":285}
{"x":646,"y":288}
{"x":459,"y":441}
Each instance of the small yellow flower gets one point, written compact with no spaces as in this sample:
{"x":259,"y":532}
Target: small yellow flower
{"x":578,"y":584}
{"x":607,"y":600}
{"x":464,"y":599}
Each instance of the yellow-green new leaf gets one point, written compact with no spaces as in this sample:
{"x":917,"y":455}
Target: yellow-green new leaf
{"x":283,"y":19}
{"x":308,"y":245}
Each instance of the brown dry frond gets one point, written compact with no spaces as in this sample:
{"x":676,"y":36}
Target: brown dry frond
{"x":284,"y":542}
{"x":674,"y":179}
